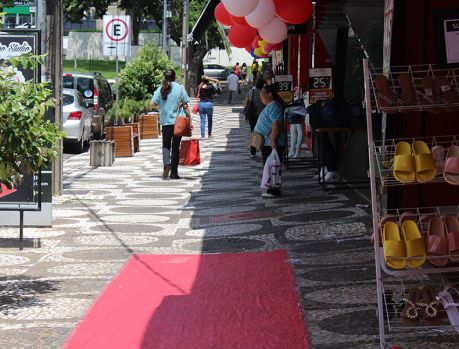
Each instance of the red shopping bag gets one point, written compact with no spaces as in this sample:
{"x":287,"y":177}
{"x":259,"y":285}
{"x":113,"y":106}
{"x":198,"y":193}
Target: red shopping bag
{"x":189,"y":152}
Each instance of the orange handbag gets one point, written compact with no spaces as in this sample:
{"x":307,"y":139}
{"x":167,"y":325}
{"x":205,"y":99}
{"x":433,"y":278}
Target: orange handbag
{"x":182,"y":127}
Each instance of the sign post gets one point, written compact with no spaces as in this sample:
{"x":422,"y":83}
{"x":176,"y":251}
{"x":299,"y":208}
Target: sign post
{"x":117,"y":40}
{"x":320,"y":84}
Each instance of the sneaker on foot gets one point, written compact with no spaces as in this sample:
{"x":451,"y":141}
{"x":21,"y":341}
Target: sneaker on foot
{"x":331,"y":177}
{"x":175,"y":176}
{"x":267,"y":195}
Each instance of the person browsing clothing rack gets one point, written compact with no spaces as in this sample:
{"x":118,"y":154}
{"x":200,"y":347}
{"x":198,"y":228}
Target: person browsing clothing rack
{"x":206,"y":92}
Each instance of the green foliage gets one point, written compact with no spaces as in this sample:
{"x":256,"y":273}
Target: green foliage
{"x":27,"y":142}
{"x":106,"y":68}
{"x":126,"y":110}
{"x":144,"y":74}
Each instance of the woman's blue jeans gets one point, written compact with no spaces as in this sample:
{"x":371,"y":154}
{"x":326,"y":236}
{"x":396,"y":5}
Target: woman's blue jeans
{"x":206,"y":109}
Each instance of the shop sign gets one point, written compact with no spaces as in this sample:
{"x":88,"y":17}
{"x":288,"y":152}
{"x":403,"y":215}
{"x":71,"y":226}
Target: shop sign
{"x":298,"y":28}
{"x":320,"y":84}
{"x":14,"y":46}
{"x":451,"y":30}
{"x":25,"y":195}
{"x":284,"y":84}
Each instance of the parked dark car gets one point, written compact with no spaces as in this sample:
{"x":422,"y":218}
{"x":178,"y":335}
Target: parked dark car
{"x":216,"y":71}
{"x":97,"y":94}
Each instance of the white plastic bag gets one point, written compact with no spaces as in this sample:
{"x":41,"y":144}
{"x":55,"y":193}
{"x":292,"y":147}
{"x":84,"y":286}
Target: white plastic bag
{"x":272,"y":172}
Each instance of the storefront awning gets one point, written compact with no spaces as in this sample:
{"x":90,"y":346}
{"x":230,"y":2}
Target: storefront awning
{"x":204,"y":20}
{"x":17,"y":10}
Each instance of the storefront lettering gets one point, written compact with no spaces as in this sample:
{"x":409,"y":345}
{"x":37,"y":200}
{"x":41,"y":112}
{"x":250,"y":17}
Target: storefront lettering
{"x":14,"y":49}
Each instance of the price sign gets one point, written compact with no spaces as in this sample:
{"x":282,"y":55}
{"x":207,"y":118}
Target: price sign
{"x":452,"y":40}
{"x":320,"y":84}
{"x":284,"y":85}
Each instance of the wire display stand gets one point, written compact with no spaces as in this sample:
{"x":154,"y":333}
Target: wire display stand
{"x":405,"y":89}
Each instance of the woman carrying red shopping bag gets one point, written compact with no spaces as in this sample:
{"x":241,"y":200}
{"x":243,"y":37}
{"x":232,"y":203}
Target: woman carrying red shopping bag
{"x":172,"y":101}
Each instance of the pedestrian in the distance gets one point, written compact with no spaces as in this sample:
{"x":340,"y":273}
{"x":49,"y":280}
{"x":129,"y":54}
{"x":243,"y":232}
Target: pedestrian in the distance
{"x":254,"y":70}
{"x":244,"y":72}
{"x":172,"y":100}
{"x":206,"y":105}
{"x":233,"y":86}
{"x":237,"y":71}
{"x":253,"y":106}
{"x":268,"y":77}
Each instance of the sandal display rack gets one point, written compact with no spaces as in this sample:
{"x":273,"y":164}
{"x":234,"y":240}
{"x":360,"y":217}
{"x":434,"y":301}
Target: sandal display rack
{"x":385,"y":151}
{"x":415,"y":88}
{"x":401,"y":90}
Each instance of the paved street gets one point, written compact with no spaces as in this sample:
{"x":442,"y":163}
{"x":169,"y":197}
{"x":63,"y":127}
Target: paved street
{"x":108,"y":213}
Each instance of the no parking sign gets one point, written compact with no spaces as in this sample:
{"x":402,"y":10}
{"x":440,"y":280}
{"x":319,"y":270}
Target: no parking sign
{"x":117,"y":36}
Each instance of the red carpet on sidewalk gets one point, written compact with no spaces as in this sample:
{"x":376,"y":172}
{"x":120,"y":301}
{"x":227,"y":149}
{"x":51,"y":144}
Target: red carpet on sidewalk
{"x":236,"y":301}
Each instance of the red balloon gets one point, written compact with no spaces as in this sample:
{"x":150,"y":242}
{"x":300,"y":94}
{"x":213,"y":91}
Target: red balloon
{"x":241,"y":35}
{"x":238,"y":20}
{"x":255,"y":41}
{"x":222,"y":15}
{"x":293,"y":12}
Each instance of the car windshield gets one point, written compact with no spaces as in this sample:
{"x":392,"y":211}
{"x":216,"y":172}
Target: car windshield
{"x":67,"y":99}
{"x":68,"y":82}
{"x":84,"y":85}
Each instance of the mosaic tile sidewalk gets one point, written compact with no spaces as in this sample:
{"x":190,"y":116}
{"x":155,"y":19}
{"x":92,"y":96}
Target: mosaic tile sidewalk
{"x":106,"y":214}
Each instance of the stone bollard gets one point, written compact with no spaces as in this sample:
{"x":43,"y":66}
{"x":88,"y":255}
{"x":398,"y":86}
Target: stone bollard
{"x":102,"y":153}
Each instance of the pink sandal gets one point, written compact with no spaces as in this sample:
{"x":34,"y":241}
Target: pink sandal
{"x":451,"y":307}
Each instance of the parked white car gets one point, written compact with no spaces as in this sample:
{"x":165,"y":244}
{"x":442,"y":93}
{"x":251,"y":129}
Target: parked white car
{"x":77,"y":119}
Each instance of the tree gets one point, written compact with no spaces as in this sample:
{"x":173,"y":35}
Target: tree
{"x":75,"y":10}
{"x":144,"y":74}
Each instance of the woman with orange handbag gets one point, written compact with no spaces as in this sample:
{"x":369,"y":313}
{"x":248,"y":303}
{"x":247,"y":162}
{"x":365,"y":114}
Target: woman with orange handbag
{"x":172,"y":100}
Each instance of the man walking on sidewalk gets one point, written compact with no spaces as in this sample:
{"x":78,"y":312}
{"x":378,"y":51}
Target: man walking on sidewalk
{"x":233,"y":86}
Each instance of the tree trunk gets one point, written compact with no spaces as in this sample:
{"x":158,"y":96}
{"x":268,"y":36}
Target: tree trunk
{"x":135,"y":26}
{"x":197,"y":54}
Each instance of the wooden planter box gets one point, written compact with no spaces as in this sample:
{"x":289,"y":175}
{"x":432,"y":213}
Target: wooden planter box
{"x":136,"y":131}
{"x":149,"y":126}
{"x":124,"y":139}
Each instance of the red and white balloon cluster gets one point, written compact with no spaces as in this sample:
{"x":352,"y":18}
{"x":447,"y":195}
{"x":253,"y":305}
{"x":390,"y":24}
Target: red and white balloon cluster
{"x":260,"y":26}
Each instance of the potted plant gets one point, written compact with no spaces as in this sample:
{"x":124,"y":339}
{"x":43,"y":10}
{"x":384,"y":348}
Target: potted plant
{"x":133,"y":108}
{"x":27,"y":142}
{"x":121,"y":133}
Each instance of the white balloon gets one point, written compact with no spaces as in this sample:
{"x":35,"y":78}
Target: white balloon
{"x":240,"y":8}
{"x":262,"y":15}
{"x":274,"y":32}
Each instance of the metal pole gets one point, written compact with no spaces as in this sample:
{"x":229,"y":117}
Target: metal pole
{"x":21,"y":230}
{"x":165,"y":26}
{"x":185,"y":24}
{"x":116,"y":73}
{"x":374,"y":203}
